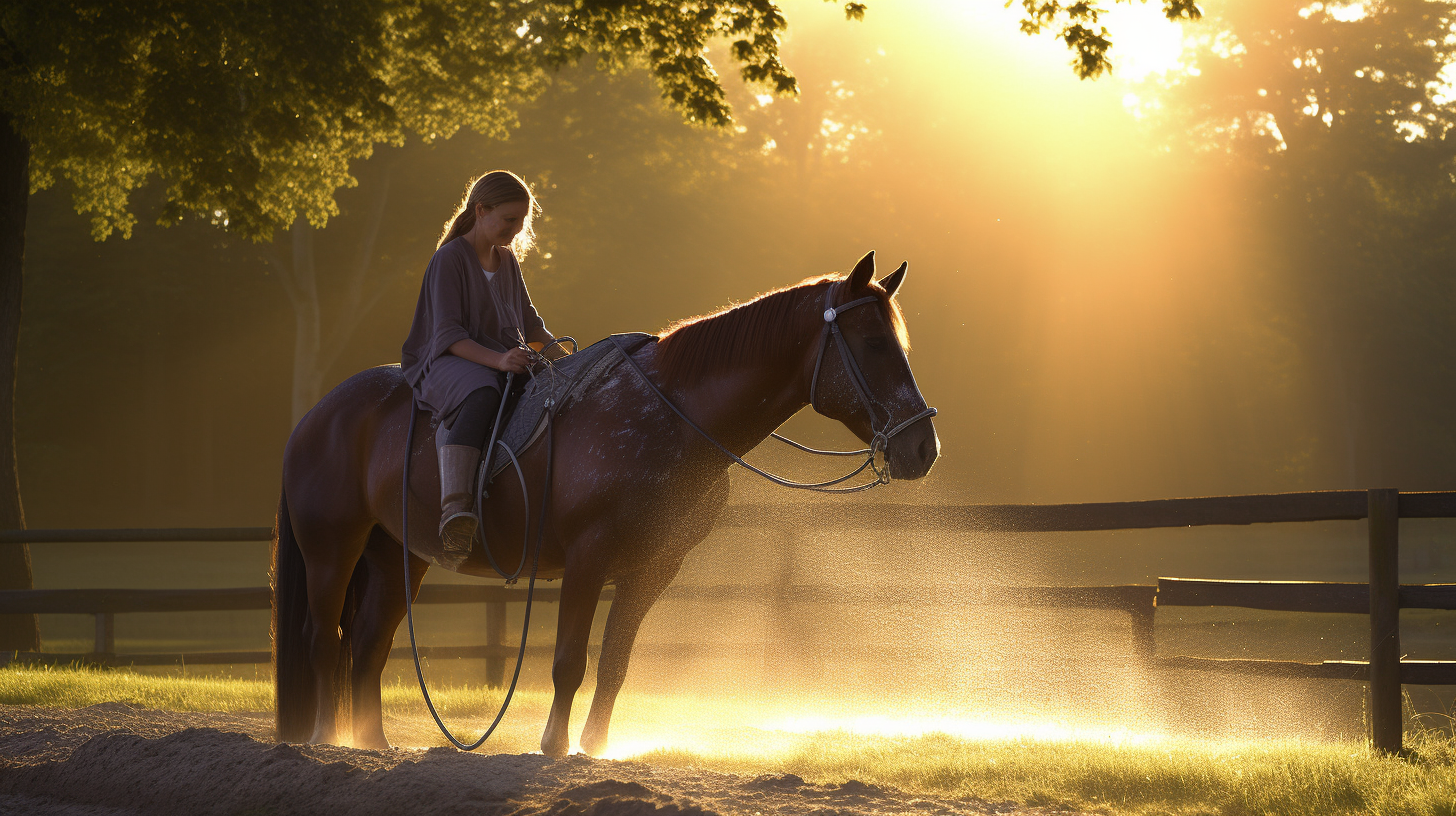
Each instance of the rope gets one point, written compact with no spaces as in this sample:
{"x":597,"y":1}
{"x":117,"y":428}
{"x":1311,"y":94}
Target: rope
{"x":483,"y":475}
{"x":535,"y":560}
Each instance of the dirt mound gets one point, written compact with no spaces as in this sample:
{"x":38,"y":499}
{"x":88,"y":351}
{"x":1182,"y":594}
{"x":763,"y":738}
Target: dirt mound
{"x":115,"y":760}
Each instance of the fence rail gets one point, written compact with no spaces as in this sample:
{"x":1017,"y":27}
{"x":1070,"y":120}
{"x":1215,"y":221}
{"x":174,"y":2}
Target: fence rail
{"x":1381,"y":598}
{"x":105,"y":604}
{"x":1297,"y":596}
{"x":832,"y":514}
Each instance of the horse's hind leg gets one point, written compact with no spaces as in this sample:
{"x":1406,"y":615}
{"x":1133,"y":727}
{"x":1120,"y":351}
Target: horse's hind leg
{"x":581,"y":589}
{"x":634,"y":597}
{"x":329,"y":561}
{"x":381,"y":608}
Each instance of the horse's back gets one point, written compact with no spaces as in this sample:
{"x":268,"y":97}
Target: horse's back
{"x":360,"y":404}
{"x":372,"y":386}
{"x":331,"y":452}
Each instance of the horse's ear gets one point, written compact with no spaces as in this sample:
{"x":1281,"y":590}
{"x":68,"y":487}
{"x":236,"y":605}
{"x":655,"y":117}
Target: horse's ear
{"x":863,"y":272}
{"x":892,"y":281}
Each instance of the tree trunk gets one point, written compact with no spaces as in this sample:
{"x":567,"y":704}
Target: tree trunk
{"x":17,"y":632}
{"x":315,"y":350}
{"x":307,"y":317}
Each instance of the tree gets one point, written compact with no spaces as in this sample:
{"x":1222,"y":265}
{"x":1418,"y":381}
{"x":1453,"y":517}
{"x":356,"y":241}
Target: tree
{"x":1339,"y":117}
{"x":249,"y":115}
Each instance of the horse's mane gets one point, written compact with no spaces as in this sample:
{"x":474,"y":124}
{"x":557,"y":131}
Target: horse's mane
{"x":690,"y":348}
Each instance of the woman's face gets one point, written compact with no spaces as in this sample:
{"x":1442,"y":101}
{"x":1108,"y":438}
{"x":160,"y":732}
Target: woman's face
{"x":501,"y":224}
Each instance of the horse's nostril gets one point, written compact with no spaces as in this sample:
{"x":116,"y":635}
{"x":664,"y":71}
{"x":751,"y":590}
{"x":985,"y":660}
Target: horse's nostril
{"x":925,"y":450}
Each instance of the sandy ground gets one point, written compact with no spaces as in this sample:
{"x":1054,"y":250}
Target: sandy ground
{"x":116,"y":760}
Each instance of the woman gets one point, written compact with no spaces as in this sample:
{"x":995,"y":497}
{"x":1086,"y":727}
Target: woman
{"x":473,"y":316}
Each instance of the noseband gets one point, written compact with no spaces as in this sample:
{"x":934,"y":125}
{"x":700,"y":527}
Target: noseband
{"x":878,"y":443}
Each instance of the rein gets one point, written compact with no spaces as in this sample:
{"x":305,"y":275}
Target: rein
{"x":409,"y":447}
{"x":878,"y":443}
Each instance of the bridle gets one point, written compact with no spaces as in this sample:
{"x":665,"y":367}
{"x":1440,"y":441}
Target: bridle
{"x":881,"y":437}
{"x":878,"y":442}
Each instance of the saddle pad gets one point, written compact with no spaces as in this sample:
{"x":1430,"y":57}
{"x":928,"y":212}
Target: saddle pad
{"x":566,"y":380}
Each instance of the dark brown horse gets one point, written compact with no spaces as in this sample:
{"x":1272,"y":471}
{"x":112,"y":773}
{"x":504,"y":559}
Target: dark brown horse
{"x":636,"y":489}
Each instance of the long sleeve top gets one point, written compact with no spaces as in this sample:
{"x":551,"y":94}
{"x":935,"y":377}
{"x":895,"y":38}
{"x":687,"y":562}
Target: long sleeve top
{"x":458,"y":302}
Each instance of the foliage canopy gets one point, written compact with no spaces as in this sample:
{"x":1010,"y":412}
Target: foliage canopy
{"x":250,"y":113}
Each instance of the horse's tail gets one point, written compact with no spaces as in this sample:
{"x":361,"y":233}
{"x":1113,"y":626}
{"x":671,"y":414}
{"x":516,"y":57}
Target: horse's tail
{"x":293,"y":684}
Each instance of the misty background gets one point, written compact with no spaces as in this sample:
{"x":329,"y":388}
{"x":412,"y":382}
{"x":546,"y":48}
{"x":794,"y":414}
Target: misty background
{"x":1226,"y":269}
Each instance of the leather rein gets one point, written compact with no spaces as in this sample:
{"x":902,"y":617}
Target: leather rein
{"x":878,"y":443}
{"x":551,"y":406}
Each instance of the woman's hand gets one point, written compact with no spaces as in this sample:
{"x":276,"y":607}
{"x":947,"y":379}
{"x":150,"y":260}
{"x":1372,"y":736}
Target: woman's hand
{"x":513,"y":360}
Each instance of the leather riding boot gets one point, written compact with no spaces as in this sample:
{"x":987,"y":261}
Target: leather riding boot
{"x":458,"y":464}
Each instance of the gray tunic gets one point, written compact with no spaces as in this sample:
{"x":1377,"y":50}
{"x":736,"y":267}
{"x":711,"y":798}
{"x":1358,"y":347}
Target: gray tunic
{"x":457,"y":302}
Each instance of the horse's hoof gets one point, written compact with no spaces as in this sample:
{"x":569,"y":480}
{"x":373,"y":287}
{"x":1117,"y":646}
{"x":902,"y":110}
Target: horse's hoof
{"x":593,"y":745}
{"x":556,"y":749}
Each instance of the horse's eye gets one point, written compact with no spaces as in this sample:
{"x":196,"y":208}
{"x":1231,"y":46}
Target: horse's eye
{"x":877,"y":343}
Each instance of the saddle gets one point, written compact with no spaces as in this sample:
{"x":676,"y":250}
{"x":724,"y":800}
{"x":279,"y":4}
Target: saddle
{"x":556,"y":387}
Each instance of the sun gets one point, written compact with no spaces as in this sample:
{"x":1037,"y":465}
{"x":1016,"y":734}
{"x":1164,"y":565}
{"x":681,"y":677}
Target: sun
{"x":1143,"y":41}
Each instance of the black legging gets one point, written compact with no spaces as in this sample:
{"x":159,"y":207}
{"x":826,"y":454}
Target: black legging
{"x":472,"y":421}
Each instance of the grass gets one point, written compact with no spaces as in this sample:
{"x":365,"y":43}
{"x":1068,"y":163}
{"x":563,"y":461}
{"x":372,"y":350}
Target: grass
{"x":60,"y":687}
{"x":1171,"y":777}
{"x":1153,"y":776}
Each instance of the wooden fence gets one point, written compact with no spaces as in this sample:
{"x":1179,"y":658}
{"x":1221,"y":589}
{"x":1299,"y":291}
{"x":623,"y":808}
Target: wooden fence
{"x":1381,"y":598}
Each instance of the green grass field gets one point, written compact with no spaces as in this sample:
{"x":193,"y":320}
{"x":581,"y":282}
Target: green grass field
{"x":1144,"y":775}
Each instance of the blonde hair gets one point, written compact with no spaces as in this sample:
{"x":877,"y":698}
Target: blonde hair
{"x":490,"y":191}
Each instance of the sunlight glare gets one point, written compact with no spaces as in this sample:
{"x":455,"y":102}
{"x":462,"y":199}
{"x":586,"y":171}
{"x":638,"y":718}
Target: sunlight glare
{"x":1348,"y":13}
{"x":787,"y":733}
{"x":1143,"y":42}
{"x":626,"y":749}
{"x":964,"y":728}
{"x":1445,"y":91}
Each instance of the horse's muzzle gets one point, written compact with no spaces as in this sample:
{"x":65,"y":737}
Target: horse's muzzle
{"x":913,"y":451}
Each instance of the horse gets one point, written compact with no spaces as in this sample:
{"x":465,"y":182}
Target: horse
{"x":644,"y":488}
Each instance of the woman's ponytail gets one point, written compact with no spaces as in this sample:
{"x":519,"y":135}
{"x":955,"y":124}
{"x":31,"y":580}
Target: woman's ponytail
{"x":492,"y":190}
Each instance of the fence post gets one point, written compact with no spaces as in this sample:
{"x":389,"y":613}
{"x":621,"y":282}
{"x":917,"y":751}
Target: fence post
{"x":495,"y":636}
{"x":1143,"y":645}
{"x":1385,"y":697}
{"x":105,"y":646}
{"x":780,"y":628}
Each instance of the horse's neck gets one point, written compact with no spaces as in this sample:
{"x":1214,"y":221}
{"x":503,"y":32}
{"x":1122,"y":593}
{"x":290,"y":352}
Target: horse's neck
{"x":740,"y":405}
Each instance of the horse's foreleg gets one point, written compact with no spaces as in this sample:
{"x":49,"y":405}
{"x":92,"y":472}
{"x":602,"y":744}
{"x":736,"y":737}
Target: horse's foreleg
{"x":634,"y":597}
{"x":581,"y":588}
{"x":380,"y":611}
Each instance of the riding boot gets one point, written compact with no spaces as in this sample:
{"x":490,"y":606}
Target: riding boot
{"x":458,"y":464}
